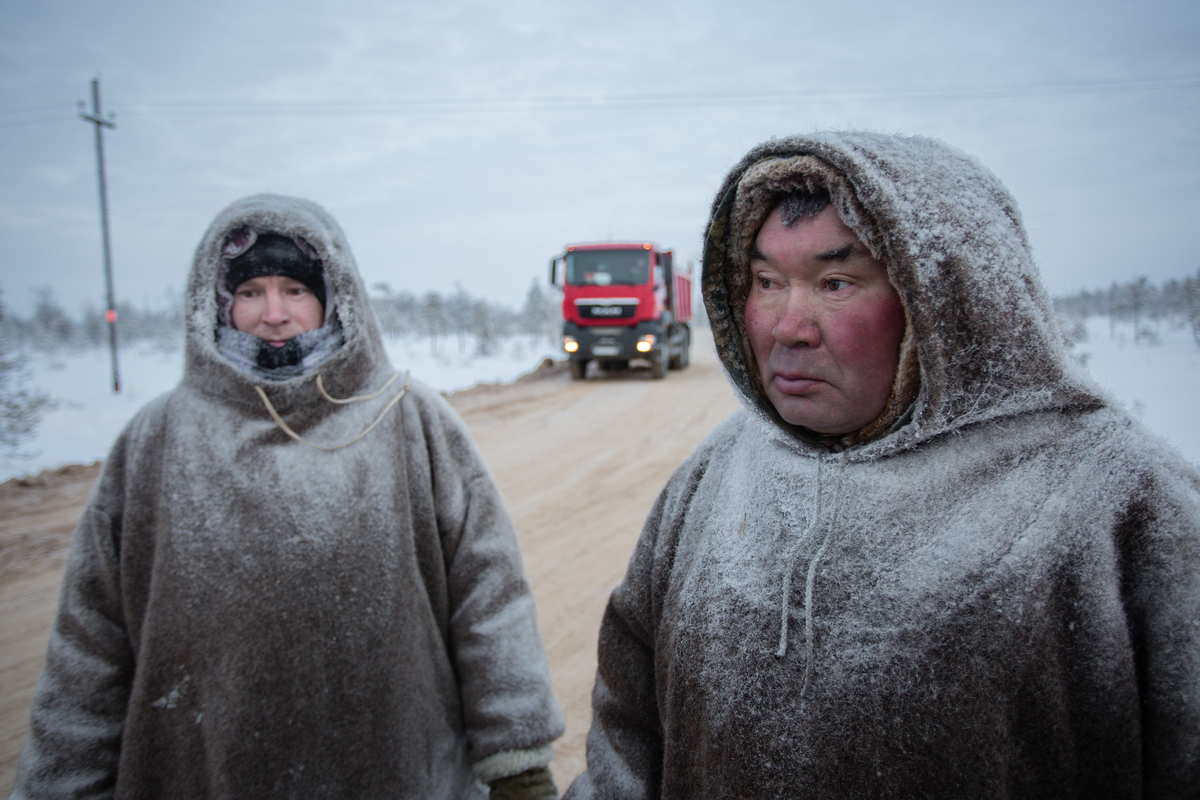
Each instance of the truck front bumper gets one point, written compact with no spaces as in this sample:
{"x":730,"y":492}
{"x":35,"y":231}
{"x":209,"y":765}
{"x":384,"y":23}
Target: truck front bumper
{"x":610,"y":341}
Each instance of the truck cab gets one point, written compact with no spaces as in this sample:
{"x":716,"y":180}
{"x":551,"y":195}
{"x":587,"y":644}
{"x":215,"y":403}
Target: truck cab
{"x":623,"y":303}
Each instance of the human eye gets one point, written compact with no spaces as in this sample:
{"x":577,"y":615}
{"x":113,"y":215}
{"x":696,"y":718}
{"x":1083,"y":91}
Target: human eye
{"x":836,"y":284}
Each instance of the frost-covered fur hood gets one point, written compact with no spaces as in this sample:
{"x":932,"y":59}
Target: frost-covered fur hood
{"x":348,"y":371}
{"x":982,"y":342}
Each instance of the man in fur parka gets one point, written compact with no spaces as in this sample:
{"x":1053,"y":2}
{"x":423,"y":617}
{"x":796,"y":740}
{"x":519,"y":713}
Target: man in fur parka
{"x":295,"y":577}
{"x":928,"y":557}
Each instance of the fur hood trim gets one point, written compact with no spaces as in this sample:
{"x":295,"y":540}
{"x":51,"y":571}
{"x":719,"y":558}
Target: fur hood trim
{"x":982,"y":341}
{"x":357,"y":368}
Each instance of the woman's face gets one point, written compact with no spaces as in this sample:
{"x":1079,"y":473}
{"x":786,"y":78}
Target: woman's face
{"x":275,"y":308}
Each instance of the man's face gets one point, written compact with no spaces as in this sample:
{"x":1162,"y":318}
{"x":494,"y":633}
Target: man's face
{"x":824,"y":322}
{"x":275,"y":308}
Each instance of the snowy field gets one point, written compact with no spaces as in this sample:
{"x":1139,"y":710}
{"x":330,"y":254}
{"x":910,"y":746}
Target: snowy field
{"x":1158,"y":383}
{"x":89,"y":416}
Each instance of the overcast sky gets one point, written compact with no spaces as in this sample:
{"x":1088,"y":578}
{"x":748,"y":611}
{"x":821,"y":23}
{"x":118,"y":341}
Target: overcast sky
{"x":470,"y":142}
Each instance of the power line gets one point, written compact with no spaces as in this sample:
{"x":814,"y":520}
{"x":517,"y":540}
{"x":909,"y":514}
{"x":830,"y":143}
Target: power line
{"x":29,"y":109}
{"x":666,"y":100}
{"x":36,"y":121}
{"x":679,"y":100}
{"x":60,"y":107}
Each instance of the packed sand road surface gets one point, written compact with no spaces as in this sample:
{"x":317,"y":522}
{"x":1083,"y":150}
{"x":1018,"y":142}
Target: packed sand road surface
{"x":37,"y":517}
{"x":579,"y":464}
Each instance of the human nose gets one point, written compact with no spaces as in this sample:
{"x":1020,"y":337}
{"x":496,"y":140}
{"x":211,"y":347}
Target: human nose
{"x":276,"y":312}
{"x":798,"y":321}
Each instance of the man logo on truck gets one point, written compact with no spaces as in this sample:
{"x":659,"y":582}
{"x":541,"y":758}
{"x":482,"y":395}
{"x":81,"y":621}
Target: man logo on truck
{"x":623,"y":302}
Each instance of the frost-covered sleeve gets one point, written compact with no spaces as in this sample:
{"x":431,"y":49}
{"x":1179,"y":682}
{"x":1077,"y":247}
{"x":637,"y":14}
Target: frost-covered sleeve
{"x":1160,"y":540}
{"x":509,"y":710}
{"x":79,"y":705}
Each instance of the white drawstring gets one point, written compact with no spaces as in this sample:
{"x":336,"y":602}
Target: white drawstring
{"x":810,"y":582}
{"x":320,"y":388}
{"x":812,"y":579}
{"x":791,"y":567}
{"x":361,"y":397}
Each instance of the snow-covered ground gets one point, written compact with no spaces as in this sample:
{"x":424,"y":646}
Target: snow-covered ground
{"x":89,"y":416}
{"x":1158,"y":383}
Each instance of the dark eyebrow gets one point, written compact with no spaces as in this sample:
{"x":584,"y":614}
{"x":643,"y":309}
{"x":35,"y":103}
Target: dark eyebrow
{"x":840,"y":254}
{"x":756,"y":254}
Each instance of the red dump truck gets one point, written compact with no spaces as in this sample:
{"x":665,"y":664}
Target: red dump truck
{"x":623,"y":302}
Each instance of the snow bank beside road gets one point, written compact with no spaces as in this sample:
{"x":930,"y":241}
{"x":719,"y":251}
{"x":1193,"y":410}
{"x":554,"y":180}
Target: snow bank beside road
{"x":1158,"y":383}
{"x":89,"y":416}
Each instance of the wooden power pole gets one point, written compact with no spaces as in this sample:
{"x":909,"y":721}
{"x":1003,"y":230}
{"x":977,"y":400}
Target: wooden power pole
{"x":110,"y":312}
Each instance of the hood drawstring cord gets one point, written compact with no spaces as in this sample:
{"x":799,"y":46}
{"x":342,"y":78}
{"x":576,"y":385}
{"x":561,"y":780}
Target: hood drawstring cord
{"x":811,"y":580}
{"x":321,"y":389}
{"x":791,"y":567}
{"x":361,"y":397}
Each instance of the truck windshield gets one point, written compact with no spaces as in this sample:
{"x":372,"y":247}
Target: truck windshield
{"x":604,"y":267}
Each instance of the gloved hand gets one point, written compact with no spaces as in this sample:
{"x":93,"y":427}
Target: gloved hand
{"x":532,"y":784}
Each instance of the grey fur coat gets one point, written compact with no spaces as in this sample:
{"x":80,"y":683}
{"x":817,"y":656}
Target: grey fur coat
{"x":243,"y":615}
{"x":999,"y":598}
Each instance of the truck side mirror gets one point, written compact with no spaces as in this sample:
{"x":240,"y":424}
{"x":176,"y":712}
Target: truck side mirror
{"x":554,"y":262}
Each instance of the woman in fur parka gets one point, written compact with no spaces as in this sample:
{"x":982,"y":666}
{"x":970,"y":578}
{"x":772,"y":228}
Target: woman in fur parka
{"x":295,"y":577}
{"x":988,"y":586}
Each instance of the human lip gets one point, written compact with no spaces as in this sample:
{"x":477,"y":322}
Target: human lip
{"x":795,"y":382}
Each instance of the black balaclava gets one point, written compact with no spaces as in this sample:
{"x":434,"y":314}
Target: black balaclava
{"x":272,"y":254}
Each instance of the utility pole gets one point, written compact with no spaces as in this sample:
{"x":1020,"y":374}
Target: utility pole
{"x":110,"y":313}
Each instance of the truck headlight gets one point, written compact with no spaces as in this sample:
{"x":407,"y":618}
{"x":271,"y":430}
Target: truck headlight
{"x":645,"y":343}
{"x":569,"y":344}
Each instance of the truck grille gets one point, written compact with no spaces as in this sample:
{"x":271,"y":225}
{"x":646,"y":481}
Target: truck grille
{"x":603,"y":310}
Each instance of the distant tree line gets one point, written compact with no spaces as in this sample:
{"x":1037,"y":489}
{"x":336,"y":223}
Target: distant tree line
{"x":50,"y":329}
{"x":21,"y":406}
{"x":476,"y":325}
{"x":1140,"y":302}
{"x":462,"y":321}
{"x":473,"y":324}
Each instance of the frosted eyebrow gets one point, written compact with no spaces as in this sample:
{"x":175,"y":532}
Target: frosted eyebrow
{"x":839,"y":254}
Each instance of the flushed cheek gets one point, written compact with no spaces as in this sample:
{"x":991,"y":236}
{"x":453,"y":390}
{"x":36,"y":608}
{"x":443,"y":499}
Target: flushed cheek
{"x":867,"y":338}
{"x":308,"y":314}
{"x":244,"y":315}
{"x":760,"y":324}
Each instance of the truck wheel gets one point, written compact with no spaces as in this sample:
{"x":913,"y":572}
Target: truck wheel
{"x":578,"y":369}
{"x":658,"y":364}
{"x":680,"y":360}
